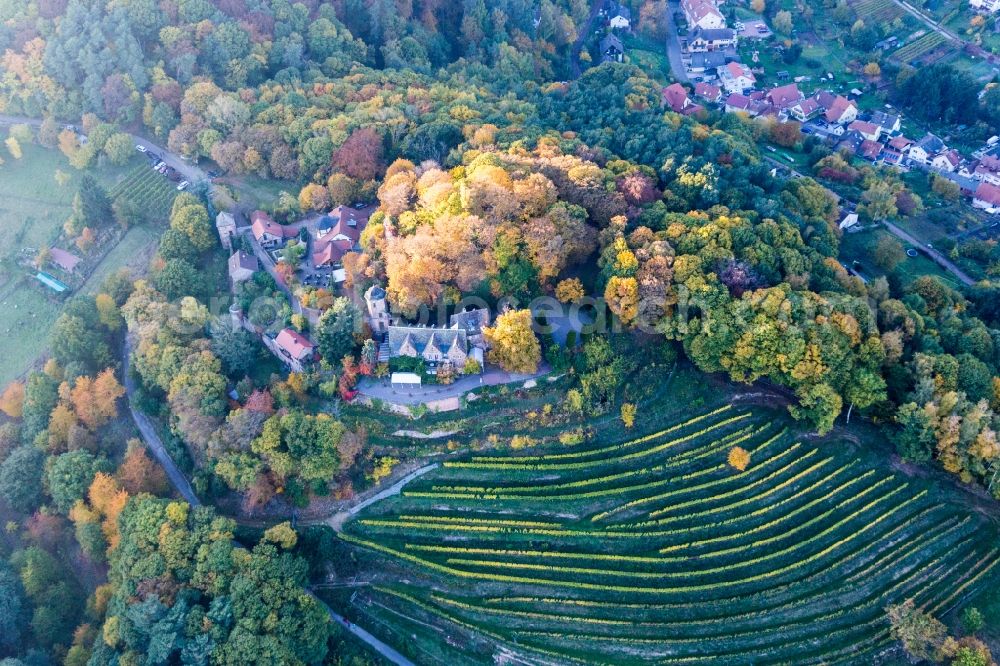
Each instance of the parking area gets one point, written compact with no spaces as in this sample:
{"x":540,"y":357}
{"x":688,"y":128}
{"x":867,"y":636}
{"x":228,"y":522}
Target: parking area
{"x":157,"y":164}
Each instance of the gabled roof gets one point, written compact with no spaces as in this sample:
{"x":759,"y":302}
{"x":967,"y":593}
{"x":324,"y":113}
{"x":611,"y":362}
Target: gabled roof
{"x":783,"y":97}
{"x":611,"y":41}
{"x":900,"y":142}
{"x":699,"y":9}
{"x":864,"y":127}
{"x":676,"y":97}
{"x":952,"y":156}
{"x":471,"y":321}
{"x":870,"y":149}
{"x":930,"y":144}
{"x":708,"y":91}
{"x":262,"y":223}
{"x":738,"y":69}
{"x":885,"y":120}
{"x":331,"y":252}
{"x":63,"y":259}
{"x":988,"y":164}
{"x":243,"y":261}
{"x":988,"y":193}
{"x":836,"y":109}
{"x":294,"y":344}
{"x":708,"y":59}
{"x":420,"y":337}
{"x":807,"y":107}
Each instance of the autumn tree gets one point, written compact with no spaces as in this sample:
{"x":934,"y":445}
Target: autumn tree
{"x":628,"y":412}
{"x":96,"y":401}
{"x":922,"y":636}
{"x":12,"y":400}
{"x":738,"y":458}
{"x":361,"y":156}
{"x":570,"y":290}
{"x":513,"y":344}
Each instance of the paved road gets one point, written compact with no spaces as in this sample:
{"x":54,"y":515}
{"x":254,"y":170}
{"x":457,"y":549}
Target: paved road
{"x":935,"y":256}
{"x":152,"y":439}
{"x":377,"y":645}
{"x":375,"y":388}
{"x":581,"y":37}
{"x":674,"y":45}
{"x":337,"y":520}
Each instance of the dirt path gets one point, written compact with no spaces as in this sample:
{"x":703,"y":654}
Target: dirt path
{"x":337,"y":520}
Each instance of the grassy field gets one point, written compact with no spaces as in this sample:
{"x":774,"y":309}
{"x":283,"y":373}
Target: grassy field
{"x":34,"y":207}
{"x":26,"y":314}
{"x":654,"y":548}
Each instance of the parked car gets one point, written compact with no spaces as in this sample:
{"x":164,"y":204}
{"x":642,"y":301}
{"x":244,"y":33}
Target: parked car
{"x":141,"y":149}
{"x":159,"y":165}
{"x":182,"y":186}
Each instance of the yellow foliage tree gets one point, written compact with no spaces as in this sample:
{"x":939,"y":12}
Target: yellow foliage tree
{"x":514,"y":346}
{"x":622,"y":295}
{"x":628,"y":414}
{"x":12,"y":400}
{"x":570,"y":290}
{"x":739,"y":458}
{"x":282,"y":534}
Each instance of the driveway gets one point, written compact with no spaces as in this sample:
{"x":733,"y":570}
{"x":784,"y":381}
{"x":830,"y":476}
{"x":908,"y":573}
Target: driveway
{"x":381,"y":389}
{"x":674,"y":45}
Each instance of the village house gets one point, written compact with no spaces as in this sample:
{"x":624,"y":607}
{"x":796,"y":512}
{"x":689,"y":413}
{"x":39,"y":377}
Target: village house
{"x":472,"y":322}
{"x":242,"y":266}
{"x":736,"y":77}
{"x":805,"y":109}
{"x":987,"y":196}
{"x":292,"y":348}
{"x":922,"y":151}
{"x":988,"y":170}
{"x":676,"y":97}
{"x":851,"y":142}
{"x":841,"y":111}
{"x":620,"y":18}
{"x":267,"y":232}
{"x":889,"y":122}
{"x":947,"y":160}
{"x":337,"y":233}
{"x":869,"y":131}
{"x":870,"y":150}
{"x":784,"y":97}
{"x":702,"y":14}
{"x":64,"y":260}
{"x":745,"y":104}
{"x":848,"y":220}
{"x":225,"y":225}
{"x":708,"y":92}
{"x":702,"y":62}
{"x":612,"y":49}
{"x":900,"y":143}
{"x":702,"y":40}
{"x":985,"y":6}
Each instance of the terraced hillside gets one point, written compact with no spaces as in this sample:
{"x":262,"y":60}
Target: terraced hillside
{"x":657,"y":549}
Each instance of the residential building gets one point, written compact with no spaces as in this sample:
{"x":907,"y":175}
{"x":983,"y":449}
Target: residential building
{"x":947,"y":160}
{"x":805,"y":109}
{"x":736,"y":77}
{"x":701,"y":62}
{"x":869,"y":131}
{"x":331,"y":253}
{"x":242,"y":266}
{"x":900,"y":143}
{"x":702,"y":14}
{"x":343,"y":223}
{"x":702,"y":40}
{"x":889,"y":122}
{"x":433,"y":345}
{"x":985,"y":6}
{"x":841,"y":111}
{"x":378,"y":309}
{"x":848,"y":220}
{"x":784,"y":97}
{"x":988,"y":170}
{"x":987,"y":196}
{"x":225,"y":224}
{"x":922,"y":151}
{"x":851,"y":142}
{"x":621,"y":18}
{"x":268,"y":233}
{"x":292,"y":348}
{"x":747,"y":105}
{"x":612,"y":49}
{"x":64,"y":260}
{"x":870,"y":150}
{"x":708,"y":92}
{"x":472,"y":322}
{"x":676,"y":97}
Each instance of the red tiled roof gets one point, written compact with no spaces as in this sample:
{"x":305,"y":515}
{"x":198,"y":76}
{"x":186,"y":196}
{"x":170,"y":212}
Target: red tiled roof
{"x":900,"y":142}
{"x":676,"y":97}
{"x":707,"y":91}
{"x":989,"y":193}
{"x":871,"y":149}
{"x":784,"y":96}
{"x":262,"y":223}
{"x":331,"y":253}
{"x":294,"y":343}
{"x":864,"y":127}
{"x":63,"y":259}
{"x":836,"y":109}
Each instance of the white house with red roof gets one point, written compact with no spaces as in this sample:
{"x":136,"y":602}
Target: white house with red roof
{"x":947,"y":160}
{"x":736,"y":77}
{"x":988,"y":170}
{"x":708,"y":92}
{"x":987,"y":196}
{"x":294,"y":349}
{"x":869,"y":131}
{"x":805,"y":109}
{"x":841,"y":111}
{"x":985,"y":6}
{"x":268,"y":232}
{"x":702,"y":14}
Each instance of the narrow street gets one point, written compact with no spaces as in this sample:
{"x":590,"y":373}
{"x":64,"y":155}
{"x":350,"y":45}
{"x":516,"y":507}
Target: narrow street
{"x":674,"y":44}
{"x":935,"y":256}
